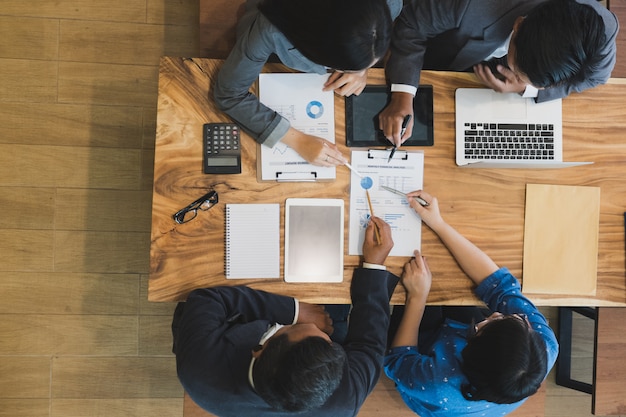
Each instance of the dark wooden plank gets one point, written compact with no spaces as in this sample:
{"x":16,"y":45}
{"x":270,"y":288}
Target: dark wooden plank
{"x":609,"y":396}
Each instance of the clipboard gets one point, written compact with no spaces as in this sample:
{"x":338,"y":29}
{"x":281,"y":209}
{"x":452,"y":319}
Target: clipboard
{"x":303,"y":172}
{"x":299,"y":98}
{"x":405,"y":173}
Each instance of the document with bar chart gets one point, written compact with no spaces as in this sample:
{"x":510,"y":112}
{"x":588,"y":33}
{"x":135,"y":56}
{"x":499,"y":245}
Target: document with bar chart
{"x":405,"y":173}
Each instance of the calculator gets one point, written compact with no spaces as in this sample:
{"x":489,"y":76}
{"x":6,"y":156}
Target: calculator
{"x":221,"y":148}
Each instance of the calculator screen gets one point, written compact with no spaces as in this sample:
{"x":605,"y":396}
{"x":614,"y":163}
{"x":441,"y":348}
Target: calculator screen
{"x":221,"y":161}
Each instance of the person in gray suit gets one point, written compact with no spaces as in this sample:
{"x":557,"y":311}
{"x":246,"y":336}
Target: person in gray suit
{"x":546,"y":48}
{"x":343,"y":37}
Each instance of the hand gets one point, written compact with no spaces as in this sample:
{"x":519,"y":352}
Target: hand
{"x":313,"y":149}
{"x":313,"y":313}
{"x":416,"y":277}
{"x":391,"y":118}
{"x":430,"y":214}
{"x":374,"y":252}
{"x":346,"y":83}
{"x":510,"y":83}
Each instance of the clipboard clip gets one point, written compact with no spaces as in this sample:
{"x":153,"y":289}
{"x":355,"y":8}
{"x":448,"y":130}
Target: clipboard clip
{"x":296,"y":176}
{"x":384,"y":154}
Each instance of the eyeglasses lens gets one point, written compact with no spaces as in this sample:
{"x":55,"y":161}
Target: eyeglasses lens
{"x":186,"y":216}
{"x":207,"y":204}
{"x":189,"y":213}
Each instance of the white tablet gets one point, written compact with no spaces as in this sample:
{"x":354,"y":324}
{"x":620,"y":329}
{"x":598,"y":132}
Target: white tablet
{"x":314,"y":240}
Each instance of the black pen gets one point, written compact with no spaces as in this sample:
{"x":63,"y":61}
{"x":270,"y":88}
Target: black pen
{"x":405,"y":122}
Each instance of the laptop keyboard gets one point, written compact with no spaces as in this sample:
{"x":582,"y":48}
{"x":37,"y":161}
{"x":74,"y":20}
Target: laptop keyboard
{"x":509,"y":141}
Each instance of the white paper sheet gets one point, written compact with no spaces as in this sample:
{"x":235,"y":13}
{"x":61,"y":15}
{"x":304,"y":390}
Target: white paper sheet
{"x":299,"y":98}
{"x":252,"y":242}
{"x":405,"y":172}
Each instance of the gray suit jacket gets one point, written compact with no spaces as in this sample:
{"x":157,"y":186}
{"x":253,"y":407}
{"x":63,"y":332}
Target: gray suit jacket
{"x":257,"y":39}
{"x":455,"y":35}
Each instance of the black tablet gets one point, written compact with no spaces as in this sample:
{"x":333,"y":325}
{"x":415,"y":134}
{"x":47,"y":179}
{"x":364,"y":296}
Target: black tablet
{"x":362,"y":117}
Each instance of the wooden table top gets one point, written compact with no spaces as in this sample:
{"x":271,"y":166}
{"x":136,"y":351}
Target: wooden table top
{"x":485,"y":205}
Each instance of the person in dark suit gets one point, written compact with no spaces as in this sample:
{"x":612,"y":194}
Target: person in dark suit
{"x":546,"y":48}
{"x":243,"y":352}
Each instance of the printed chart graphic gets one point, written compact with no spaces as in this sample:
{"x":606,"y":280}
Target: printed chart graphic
{"x":403,"y":174}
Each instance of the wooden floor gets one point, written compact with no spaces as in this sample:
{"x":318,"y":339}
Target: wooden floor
{"x":78,"y":96}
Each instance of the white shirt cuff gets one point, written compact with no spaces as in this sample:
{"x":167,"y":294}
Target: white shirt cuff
{"x":403,"y":88}
{"x":296,"y":311}
{"x":368,"y":265}
{"x":530,"y":92}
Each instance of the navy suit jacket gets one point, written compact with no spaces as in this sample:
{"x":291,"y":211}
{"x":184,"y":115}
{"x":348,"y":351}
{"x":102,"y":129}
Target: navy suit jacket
{"x":216,"y":329}
{"x":455,"y":35}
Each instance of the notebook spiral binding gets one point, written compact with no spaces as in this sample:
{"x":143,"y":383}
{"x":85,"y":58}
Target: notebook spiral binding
{"x":227,"y":243}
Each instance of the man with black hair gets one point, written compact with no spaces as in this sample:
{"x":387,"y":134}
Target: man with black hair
{"x":341,"y":38}
{"x":542,"y":49}
{"x":243,"y":352}
{"x":460,"y":361}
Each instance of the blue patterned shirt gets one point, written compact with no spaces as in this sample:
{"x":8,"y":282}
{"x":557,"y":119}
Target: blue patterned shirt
{"x":431,"y":384}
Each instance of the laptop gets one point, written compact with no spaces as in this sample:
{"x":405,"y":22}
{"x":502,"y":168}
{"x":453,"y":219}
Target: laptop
{"x":496,"y":130}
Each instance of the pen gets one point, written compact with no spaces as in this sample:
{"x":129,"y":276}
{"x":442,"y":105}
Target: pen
{"x":353,"y":170}
{"x":405,"y":122}
{"x":420,"y":200}
{"x":369,"y":202}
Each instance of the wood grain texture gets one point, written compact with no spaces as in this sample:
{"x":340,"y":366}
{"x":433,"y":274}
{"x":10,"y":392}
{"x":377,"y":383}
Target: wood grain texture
{"x":24,"y":377}
{"x":69,"y":293}
{"x":136,"y":407}
{"x":217,"y":22}
{"x":71,"y":125}
{"x":486,"y":205}
{"x":114,"y":378}
{"x":609,"y":390}
{"x":534,"y":406}
{"x":113,"y":10}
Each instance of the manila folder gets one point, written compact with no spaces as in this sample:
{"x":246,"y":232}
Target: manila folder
{"x":561,"y":239}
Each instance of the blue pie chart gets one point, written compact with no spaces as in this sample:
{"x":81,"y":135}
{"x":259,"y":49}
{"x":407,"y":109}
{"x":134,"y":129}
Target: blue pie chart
{"x":314,"y":109}
{"x":366,"y":183}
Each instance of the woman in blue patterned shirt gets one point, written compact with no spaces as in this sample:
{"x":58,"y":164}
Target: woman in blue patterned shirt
{"x":484,"y":368}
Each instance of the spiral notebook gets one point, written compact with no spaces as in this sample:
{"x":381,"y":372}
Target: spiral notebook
{"x":252,"y":241}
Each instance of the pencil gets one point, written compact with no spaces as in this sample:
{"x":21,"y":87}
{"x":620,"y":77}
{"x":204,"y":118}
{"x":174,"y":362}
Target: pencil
{"x":369,"y":202}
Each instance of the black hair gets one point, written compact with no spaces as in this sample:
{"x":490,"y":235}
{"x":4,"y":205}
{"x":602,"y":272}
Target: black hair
{"x":558,"y":42}
{"x":504,"y":363}
{"x":298,"y":376}
{"x":345,"y":35}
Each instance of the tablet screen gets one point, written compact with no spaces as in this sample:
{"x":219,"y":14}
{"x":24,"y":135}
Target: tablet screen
{"x":362,"y":117}
{"x":313,"y":240}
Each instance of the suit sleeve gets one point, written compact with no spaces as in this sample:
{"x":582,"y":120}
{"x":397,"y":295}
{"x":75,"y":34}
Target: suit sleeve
{"x":366,"y":340}
{"x":254,"y":45}
{"x":419,"y":21}
{"x":209,"y":309}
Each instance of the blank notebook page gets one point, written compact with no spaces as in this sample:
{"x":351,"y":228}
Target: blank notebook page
{"x":252,"y":241}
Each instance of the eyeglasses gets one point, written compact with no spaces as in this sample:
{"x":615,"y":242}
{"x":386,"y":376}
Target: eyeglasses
{"x":191,"y":211}
{"x":473,"y":329}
